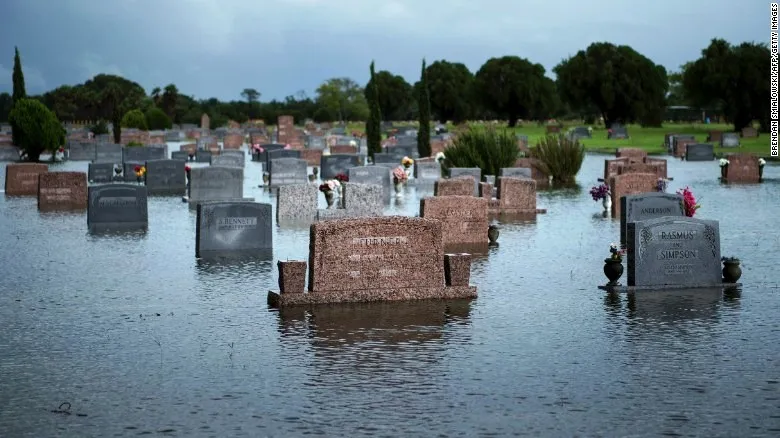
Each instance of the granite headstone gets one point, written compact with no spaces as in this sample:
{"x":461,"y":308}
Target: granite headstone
{"x":117,"y":207}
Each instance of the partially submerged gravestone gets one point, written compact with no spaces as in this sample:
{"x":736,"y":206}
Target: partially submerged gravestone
{"x":387,"y":160}
{"x":296,"y":203}
{"x":474,"y":172}
{"x":82,"y":151}
{"x":22,"y":179}
{"x":517,"y":172}
{"x":100,"y":172}
{"x":699,"y":152}
{"x":286,"y":171}
{"x":215,"y":184}
{"x":620,"y":166}
{"x":729,"y":140}
{"x":379,"y":175}
{"x":225,"y":229}
{"x":109,"y":153}
{"x":360,"y":200}
{"x":390,"y":258}
{"x":427,"y":172}
{"x":203,"y":157}
{"x":742,"y":168}
{"x":674,"y":252}
{"x":228,"y":160}
{"x":62,"y":191}
{"x":464,"y":221}
{"x":166,"y":177}
{"x":117,"y":207}
{"x":644,"y":206}
{"x":459,"y":186}
{"x":332,"y":165}
{"x":630,"y":184}
{"x":142,"y":154}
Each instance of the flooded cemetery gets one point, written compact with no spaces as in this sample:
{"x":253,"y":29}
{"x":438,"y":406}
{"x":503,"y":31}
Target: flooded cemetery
{"x":233,"y":283}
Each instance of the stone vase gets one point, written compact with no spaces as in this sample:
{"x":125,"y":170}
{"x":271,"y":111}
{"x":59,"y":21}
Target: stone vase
{"x":724,"y":170}
{"x":493,"y":235}
{"x":731,"y":271}
{"x":607,"y":203}
{"x":330,"y":198}
{"x":399,"y":188}
{"x":613,"y":269}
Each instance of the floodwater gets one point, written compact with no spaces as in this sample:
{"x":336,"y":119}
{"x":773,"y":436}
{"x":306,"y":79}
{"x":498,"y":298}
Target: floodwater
{"x":140,"y":338}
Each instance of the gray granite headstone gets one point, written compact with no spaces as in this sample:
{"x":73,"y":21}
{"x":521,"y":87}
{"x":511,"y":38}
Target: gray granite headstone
{"x":332,"y":165}
{"x":296,"y":203}
{"x":174,"y":136}
{"x":618,"y":132}
{"x":280,"y":153}
{"x":81,"y":151}
{"x":239,"y":154}
{"x":363,"y":200}
{"x":729,"y":140}
{"x":203,"y":157}
{"x":699,"y":152}
{"x":284,"y":171}
{"x":100,"y":172}
{"x":581,"y":132}
{"x":227,"y":161}
{"x":316,"y":143}
{"x":474,"y":172}
{"x":400,"y":151}
{"x":233,"y":228}
{"x":491,"y":179}
{"x":379,"y":175}
{"x":109,"y":153}
{"x":180,"y":155}
{"x":388,"y":160}
{"x":9,"y":153}
{"x":215,"y":184}
{"x":166,"y":177}
{"x":645,"y":206}
{"x":117,"y":207}
{"x":680,"y":251}
{"x":427,"y":171}
{"x":515,"y":172}
{"x":142,"y":154}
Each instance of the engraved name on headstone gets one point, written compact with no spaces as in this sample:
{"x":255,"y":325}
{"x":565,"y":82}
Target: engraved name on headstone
{"x":215,"y":184}
{"x":284,"y":171}
{"x":117,"y":207}
{"x":332,"y":165}
{"x":233,"y":228}
{"x":166,"y":177}
{"x":100,"y":172}
{"x":645,"y":206}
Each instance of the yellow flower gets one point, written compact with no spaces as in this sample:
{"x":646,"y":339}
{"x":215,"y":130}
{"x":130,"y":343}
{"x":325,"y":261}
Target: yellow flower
{"x":406,"y":161}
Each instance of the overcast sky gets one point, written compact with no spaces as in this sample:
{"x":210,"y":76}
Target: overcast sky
{"x":216,"y":48}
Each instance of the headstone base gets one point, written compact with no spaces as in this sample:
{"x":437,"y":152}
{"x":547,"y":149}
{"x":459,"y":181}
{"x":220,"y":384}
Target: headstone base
{"x":278,"y":300}
{"x":668,"y":287}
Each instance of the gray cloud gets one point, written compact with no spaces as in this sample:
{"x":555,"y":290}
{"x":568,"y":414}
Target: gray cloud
{"x":217,"y":48}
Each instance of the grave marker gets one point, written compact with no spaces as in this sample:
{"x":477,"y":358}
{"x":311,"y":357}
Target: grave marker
{"x":516,"y":172}
{"x":233,"y":228}
{"x":100,"y":172}
{"x":332,"y":165}
{"x":9,"y":153}
{"x":285,"y":171}
{"x":699,"y":152}
{"x":630,"y":184}
{"x":379,"y":175}
{"x":109,"y":153}
{"x":166,"y":177}
{"x":427,"y":171}
{"x":227,"y":161}
{"x":296,"y":203}
{"x":464,"y":218}
{"x":634,"y":208}
{"x":742,"y":168}
{"x":82,"y":151}
{"x":729,"y":140}
{"x":62,"y":191}
{"x":678,"y":251}
{"x":22,"y":179}
{"x":117,"y":207}
{"x":203,"y":157}
{"x":474,"y":172}
{"x":215,"y":184}
{"x":460,"y":186}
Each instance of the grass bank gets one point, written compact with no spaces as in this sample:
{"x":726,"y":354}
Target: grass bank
{"x":649,"y":139}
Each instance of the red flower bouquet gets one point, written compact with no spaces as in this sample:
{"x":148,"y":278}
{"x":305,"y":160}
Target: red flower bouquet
{"x":342,"y":177}
{"x":689,"y":201}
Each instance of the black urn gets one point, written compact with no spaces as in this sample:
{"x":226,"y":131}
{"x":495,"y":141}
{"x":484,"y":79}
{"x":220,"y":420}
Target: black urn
{"x":613,"y":269}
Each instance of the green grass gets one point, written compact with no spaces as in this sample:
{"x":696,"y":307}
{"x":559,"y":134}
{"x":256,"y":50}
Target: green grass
{"x":649,"y":139}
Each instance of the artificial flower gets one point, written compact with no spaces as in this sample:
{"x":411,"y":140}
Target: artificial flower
{"x":689,"y":201}
{"x":599,"y":192}
{"x":187,"y":168}
{"x":342,"y":177}
{"x":761,"y":162}
{"x":439,"y":156}
{"x":406,"y":161}
{"x":724,"y":162}
{"x":399,"y":174}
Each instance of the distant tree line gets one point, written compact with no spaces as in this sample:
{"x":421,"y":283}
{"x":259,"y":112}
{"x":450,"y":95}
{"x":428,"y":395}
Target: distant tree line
{"x":603,"y":82}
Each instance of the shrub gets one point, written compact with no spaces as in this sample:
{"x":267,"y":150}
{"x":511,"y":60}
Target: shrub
{"x":99,"y":128}
{"x":487,"y":148}
{"x":133,"y":144}
{"x":157,"y":120}
{"x":134,"y":119}
{"x":36,"y":128}
{"x":561,"y":156}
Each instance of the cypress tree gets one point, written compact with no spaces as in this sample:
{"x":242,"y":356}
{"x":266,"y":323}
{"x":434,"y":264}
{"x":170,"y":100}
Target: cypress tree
{"x":424,"y":105}
{"x":373,"y":126}
{"x":19,"y":92}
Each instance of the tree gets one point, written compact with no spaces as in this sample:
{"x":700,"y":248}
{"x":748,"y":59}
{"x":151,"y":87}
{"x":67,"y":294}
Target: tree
{"x":395,"y":95}
{"x":450,"y":86}
{"x":36,"y":128}
{"x":134,"y":119}
{"x":115,"y":96}
{"x":155,"y":95}
{"x":251,"y":95}
{"x":343,"y":98}
{"x":374,"y":123}
{"x":168,"y":100}
{"x":18,"y":78}
{"x":676,"y":94}
{"x":512,"y":87}
{"x":6,"y":101}
{"x":424,"y":115}
{"x":157,"y":120}
{"x":624,"y":85}
{"x":733,"y":78}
